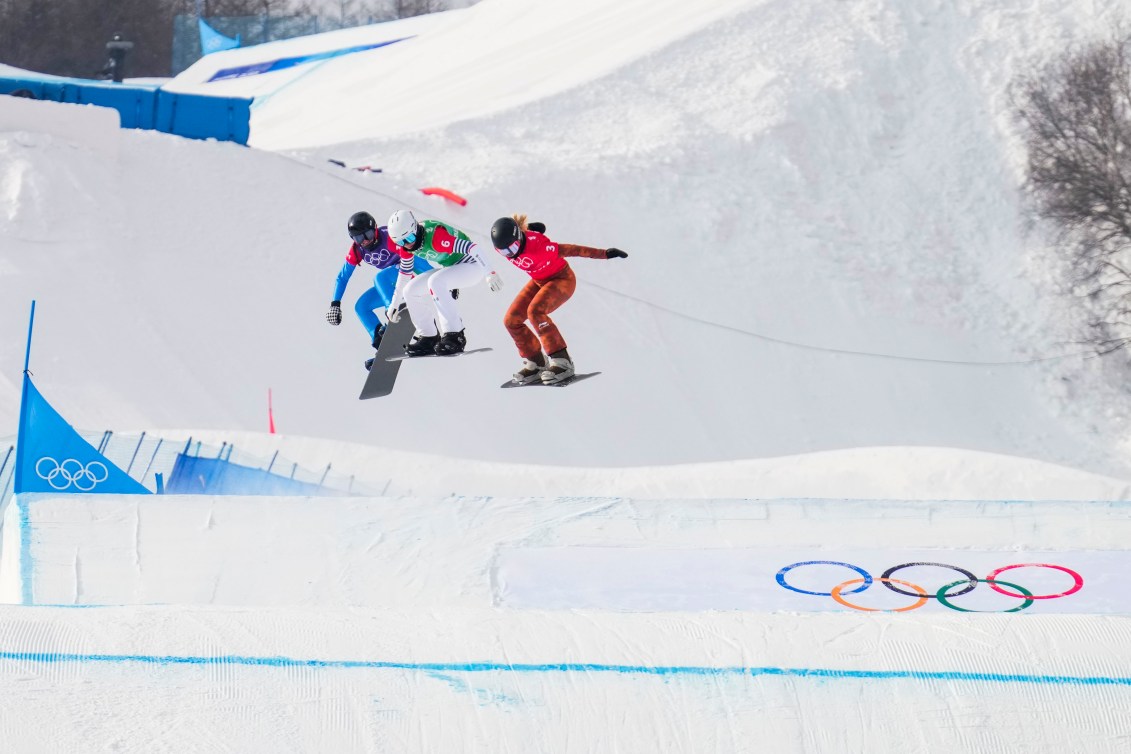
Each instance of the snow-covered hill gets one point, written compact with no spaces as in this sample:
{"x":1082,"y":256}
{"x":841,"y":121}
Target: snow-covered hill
{"x":827,"y":243}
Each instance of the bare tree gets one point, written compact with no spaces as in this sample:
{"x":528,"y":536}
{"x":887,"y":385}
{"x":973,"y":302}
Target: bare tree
{"x":1076,"y":118}
{"x":407,"y":8}
{"x":68,"y":37}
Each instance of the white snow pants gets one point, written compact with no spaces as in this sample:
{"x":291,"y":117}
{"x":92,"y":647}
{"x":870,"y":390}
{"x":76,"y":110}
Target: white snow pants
{"x":429,"y":296}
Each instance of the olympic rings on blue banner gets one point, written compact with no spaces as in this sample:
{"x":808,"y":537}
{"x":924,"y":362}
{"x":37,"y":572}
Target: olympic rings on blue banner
{"x":71,"y":472}
{"x":944,"y":595}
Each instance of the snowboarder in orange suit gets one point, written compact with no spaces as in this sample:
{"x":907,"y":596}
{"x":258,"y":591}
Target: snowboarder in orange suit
{"x":552,"y":282}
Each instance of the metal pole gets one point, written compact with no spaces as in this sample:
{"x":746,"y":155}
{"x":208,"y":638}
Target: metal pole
{"x":21,"y":441}
{"x":152,"y":458}
{"x":2,"y":467}
{"x":30,"y":324}
{"x":6,"y":457}
{"x":132,"y":458}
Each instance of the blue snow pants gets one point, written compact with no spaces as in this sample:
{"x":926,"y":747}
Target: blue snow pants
{"x":380,"y":295}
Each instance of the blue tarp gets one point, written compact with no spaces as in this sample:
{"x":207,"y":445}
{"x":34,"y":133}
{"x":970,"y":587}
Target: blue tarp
{"x":193,"y":475}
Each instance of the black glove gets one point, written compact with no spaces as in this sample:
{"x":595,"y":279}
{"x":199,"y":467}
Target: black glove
{"x":536,"y":227}
{"x":614,"y":253}
{"x":334,"y":316}
{"x":455,"y":293}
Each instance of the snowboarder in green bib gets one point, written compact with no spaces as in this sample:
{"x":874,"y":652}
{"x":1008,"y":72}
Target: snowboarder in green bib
{"x":459,"y":264}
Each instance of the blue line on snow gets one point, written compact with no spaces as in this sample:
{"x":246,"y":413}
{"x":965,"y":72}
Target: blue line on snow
{"x":569,"y":667}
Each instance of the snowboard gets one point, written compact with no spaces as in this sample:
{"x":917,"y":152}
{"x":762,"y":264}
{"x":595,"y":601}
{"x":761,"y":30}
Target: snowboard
{"x":563,"y":383}
{"x":383,"y":373}
{"x":406,"y":357}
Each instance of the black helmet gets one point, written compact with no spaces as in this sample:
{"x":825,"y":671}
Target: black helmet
{"x":362,"y":227}
{"x":504,"y":233}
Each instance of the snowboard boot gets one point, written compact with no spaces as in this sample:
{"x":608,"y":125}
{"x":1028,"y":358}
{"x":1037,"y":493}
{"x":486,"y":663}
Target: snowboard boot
{"x":531,"y":370}
{"x":377,"y":335}
{"x":560,"y":368}
{"x":369,"y":363}
{"x":451,"y":343}
{"x":422,"y":345}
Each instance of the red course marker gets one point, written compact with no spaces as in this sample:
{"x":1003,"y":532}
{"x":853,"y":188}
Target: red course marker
{"x":443,"y":192}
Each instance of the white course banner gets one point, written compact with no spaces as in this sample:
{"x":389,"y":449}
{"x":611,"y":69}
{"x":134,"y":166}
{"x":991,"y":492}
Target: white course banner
{"x":767,"y":580}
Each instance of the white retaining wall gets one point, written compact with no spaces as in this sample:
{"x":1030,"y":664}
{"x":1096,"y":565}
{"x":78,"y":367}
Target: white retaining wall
{"x":539,"y":552}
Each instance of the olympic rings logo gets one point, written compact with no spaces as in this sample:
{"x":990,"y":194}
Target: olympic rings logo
{"x":68,"y":473}
{"x":944,"y":594}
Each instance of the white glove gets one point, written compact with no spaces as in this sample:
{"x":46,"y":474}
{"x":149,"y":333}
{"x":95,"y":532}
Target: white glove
{"x":494,"y":281}
{"x":393,"y":313}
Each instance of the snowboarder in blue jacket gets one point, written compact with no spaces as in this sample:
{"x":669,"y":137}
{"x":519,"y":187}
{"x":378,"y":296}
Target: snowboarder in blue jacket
{"x":370,"y":244}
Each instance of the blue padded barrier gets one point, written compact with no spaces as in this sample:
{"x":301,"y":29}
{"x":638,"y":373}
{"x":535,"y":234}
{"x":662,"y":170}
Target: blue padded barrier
{"x":193,"y":116}
{"x":135,"y":105}
{"x":198,"y":116}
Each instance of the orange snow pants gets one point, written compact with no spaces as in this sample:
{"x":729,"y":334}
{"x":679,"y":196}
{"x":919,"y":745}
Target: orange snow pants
{"x":534,"y":303}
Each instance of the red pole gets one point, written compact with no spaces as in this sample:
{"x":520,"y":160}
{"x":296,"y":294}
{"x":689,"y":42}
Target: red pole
{"x":270,"y":414}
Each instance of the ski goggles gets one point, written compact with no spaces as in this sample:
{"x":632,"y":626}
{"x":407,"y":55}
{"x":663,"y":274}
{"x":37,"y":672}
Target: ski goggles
{"x":408,"y":240}
{"x":361,"y":238}
{"x":512,"y":250}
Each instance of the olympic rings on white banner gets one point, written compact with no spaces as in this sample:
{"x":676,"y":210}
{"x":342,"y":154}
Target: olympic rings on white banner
{"x":62,"y":475}
{"x":944,"y":595}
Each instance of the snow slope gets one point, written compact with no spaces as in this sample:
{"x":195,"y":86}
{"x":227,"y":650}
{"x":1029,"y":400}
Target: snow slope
{"x":826,"y":249}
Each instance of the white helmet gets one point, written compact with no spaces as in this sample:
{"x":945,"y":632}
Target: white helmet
{"x":402,"y":224}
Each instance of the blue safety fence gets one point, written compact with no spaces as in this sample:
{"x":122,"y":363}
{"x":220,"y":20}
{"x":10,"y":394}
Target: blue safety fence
{"x":7,"y":470}
{"x":193,"y":475}
{"x":201,"y":470}
{"x":193,"y":116}
{"x":192,"y":467}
